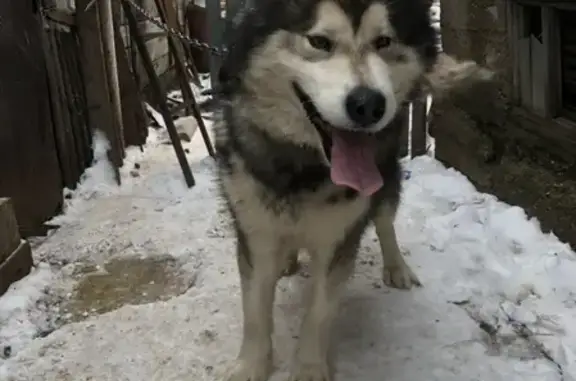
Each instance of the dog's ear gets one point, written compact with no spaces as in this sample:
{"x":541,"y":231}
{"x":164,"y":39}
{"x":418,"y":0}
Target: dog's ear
{"x":450,"y":74}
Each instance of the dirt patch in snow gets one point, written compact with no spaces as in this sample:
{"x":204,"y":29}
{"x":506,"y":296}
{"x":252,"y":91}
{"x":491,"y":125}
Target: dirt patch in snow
{"x":126,"y":281}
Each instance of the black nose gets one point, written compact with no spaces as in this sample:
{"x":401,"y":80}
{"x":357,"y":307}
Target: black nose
{"x":365,"y":106}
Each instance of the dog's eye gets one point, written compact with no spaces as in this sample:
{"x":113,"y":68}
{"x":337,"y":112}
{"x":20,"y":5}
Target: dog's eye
{"x":320,"y":43}
{"x":381,"y":42}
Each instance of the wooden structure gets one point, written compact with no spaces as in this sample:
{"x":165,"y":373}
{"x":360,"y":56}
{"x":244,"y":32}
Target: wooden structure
{"x":59,"y":87}
{"x":15,"y":253}
{"x":515,"y":138}
{"x":31,"y":167}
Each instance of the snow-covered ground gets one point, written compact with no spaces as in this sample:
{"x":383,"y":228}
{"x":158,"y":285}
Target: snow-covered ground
{"x":498,"y":302}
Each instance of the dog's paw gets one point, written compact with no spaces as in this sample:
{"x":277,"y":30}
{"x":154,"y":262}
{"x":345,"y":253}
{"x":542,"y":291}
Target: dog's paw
{"x":310,"y":372}
{"x":400,"y":276}
{"x":243,"y":370}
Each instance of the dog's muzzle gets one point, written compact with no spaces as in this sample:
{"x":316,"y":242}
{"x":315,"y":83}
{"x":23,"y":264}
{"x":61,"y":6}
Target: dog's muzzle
{"x":365,"y":106}
{"x":351,"y":152}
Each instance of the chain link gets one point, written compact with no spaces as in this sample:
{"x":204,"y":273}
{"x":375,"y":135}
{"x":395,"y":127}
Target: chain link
{"x":194,"y":42}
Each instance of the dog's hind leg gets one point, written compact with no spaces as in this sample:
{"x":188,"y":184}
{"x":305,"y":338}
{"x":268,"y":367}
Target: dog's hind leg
{"x":260,"y":267}
{"x":396,"y":272}
{"x":329,"y":276}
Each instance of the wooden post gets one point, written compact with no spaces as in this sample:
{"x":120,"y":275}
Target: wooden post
{"x":187,"y":93}
{"x":133,"y":110}
{"x":77,"y":107}
{"x":100,"y":113}
{"x":158,"y":93}
{"x":405,"y":133}
{"x":15,"y":254}
{"x":58,"y":112}
{"x":215,"y":36}
{"x":419,"y":126}
{"x":106,"y":17}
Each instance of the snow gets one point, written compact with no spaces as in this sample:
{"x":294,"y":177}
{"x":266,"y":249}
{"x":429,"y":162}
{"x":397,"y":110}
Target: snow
{"x":498,"y":302}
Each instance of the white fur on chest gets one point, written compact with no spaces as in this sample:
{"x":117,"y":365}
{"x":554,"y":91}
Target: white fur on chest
{"x":309,"y":222}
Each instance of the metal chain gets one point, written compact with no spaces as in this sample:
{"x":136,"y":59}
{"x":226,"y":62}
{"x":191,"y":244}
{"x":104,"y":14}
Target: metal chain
{"x":194,"y":42}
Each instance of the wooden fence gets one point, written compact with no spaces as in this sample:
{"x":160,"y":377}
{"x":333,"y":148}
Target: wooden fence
{"x":415,"y":139}
{"x":68,"y":100}
{"x":29,"y":164}
{"x":48,"y":110}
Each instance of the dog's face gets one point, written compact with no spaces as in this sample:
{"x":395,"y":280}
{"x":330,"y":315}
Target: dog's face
{"x":355,"y":68}
{"x":331,"y":75}
{"x":351,"y":63}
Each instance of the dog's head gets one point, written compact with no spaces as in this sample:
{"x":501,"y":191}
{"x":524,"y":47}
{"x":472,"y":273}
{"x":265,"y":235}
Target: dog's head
{"x":351,"y":62}
{"x":346,"y":65}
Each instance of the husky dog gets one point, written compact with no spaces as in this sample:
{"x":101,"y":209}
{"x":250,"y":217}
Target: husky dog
{"x":308,"y":152}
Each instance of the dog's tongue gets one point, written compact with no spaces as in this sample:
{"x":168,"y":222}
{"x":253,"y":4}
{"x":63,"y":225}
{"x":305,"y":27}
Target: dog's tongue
{"x":353,"y":162}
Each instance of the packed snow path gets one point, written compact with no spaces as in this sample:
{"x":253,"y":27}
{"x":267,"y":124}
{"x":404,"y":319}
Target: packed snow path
{"x":498,"y":301}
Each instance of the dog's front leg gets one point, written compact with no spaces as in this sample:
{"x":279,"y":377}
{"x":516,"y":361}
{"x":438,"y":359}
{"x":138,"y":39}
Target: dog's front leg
{"x":259,"y":265}
{"x":396,"y":272}
{"x":329,"y":276}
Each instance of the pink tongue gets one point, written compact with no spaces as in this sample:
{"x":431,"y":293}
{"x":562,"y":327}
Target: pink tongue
{"x":353,"y":162}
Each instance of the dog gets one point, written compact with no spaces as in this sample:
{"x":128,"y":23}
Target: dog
{"x":308,"y":144}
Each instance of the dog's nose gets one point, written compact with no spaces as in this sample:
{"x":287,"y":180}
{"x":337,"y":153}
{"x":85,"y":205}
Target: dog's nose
{"x":365,"y":106}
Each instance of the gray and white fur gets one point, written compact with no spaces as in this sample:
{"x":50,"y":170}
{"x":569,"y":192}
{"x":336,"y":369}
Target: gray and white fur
{"x":298,"y":72}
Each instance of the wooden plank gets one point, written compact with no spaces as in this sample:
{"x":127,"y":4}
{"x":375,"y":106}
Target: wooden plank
{"x":513,"y":15}
{"x":15,"y":254}
{"x":133,"y":114}
{"x":97,"y":95}
{"x":16,"y":266}
{"x":9,"y":235}
{"x":106,"y":17}
{"x":539,"y":76}
{"x":525,"y":72}
{"x":405,"y":133}
{"x":66,"y":149}
{"x":75,"y":149}
{"x":58,"y":110}
{"x":419,"y":135}
{"x":71,"y":150}
{"x":80,"y":106}
{"x":551,"y":37}
{"x":565,"y":63}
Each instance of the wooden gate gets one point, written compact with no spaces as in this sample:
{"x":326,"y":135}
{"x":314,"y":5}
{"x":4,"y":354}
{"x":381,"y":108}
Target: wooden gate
{"x":29,"y":167}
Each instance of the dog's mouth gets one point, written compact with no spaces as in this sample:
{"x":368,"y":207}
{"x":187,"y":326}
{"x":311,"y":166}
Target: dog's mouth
{"x":352,"y":155}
